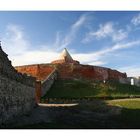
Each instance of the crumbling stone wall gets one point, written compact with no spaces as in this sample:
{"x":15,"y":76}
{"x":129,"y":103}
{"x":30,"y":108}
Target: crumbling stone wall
{"x":43,"y":86}
{"x":48,"y":82}
{"x":17,"y":91}
{"x":40,"y":71}
{"x":45,"y":76}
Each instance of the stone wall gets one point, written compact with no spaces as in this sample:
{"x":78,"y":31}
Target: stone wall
{"x":45,"y":75}
{"x":72,"y":70}
{"x":40,"y":71}
{"x":63,"y":61}
{"x":67,"y":71}
{"x":131,"y":80}
{"x":48,"y":82}
{"x":17,"y":91}
{"x":43,"y":86}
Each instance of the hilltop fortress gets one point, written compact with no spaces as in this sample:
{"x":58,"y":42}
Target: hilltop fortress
{"x":67,"y":68}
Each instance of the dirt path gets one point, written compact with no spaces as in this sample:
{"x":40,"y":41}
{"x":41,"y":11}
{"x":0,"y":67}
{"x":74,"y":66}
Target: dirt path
{"x":128,"y":99}
{"x":57,"y":105}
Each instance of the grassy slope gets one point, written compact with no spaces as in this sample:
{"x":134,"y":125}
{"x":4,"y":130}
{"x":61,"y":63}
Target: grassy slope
{"x":81,"y":89}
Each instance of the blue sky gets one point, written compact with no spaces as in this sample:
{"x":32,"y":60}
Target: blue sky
{"x":109,"y":39}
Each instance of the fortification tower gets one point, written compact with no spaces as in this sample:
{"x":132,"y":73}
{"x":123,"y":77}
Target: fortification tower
{"x":65,"y":57}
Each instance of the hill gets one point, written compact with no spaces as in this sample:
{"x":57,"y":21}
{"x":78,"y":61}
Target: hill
{"x":90,"y":89}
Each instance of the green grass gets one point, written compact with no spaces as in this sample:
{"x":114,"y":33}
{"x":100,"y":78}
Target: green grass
{"x":87,"y":89}
{"x":71,"y":89}
{"x":129,"y":117}
{"x":127,"y":104}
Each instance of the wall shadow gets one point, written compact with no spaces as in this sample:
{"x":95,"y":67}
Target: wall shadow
{"x":95,"y":114}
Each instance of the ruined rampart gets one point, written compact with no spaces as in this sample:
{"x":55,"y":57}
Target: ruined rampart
{"x":72,"y":70}
{"x":43,"y":86}
{"x":68,"y":71}
{"x":17,"y":91}
{"x":48,"y":82}
{"x":45,"y":75}
{"x":40,"y":71}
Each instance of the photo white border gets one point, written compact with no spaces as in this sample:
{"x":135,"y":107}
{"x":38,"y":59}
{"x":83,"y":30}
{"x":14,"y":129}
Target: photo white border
{"x":69,"y":134}
{"x":69,"y":5}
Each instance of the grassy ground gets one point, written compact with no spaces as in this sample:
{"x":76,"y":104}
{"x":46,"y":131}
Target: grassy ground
{"x":83,"y":89}
{"x":129,"y":117}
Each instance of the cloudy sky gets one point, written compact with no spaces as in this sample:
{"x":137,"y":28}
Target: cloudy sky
{"x":108,"y":39}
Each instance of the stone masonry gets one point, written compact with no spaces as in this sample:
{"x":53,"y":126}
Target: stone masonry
{"x":17,"y":91}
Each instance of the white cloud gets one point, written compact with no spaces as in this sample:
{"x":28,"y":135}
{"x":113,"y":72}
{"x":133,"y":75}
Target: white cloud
{"x":72,"y":33}
{"x":103,"y":31}
{"x":98,"y":56}
{"x":21,"y":52}
{"x":132,"y":71}
{"x":97,"y":63}
{"x":119,"y":35}
{"x":34,"y":57}
{"x":106,"y":30}
{"x":136,"y":20}
{"x":14,"y":41}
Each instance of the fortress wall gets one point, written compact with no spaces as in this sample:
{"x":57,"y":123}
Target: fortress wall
{"x":72,"y":70}
{"x":45,"y":75}
{"x":114,"y":74}
{"x":48,"y":82}
{"x":45,"y":71}
{"x":17,"y":91}
{"x":43,"y":86}
{"x":30,"y":70}
{"x":40,"y":71}
{"x":62,"y":61}
{"x":88,"y":72}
